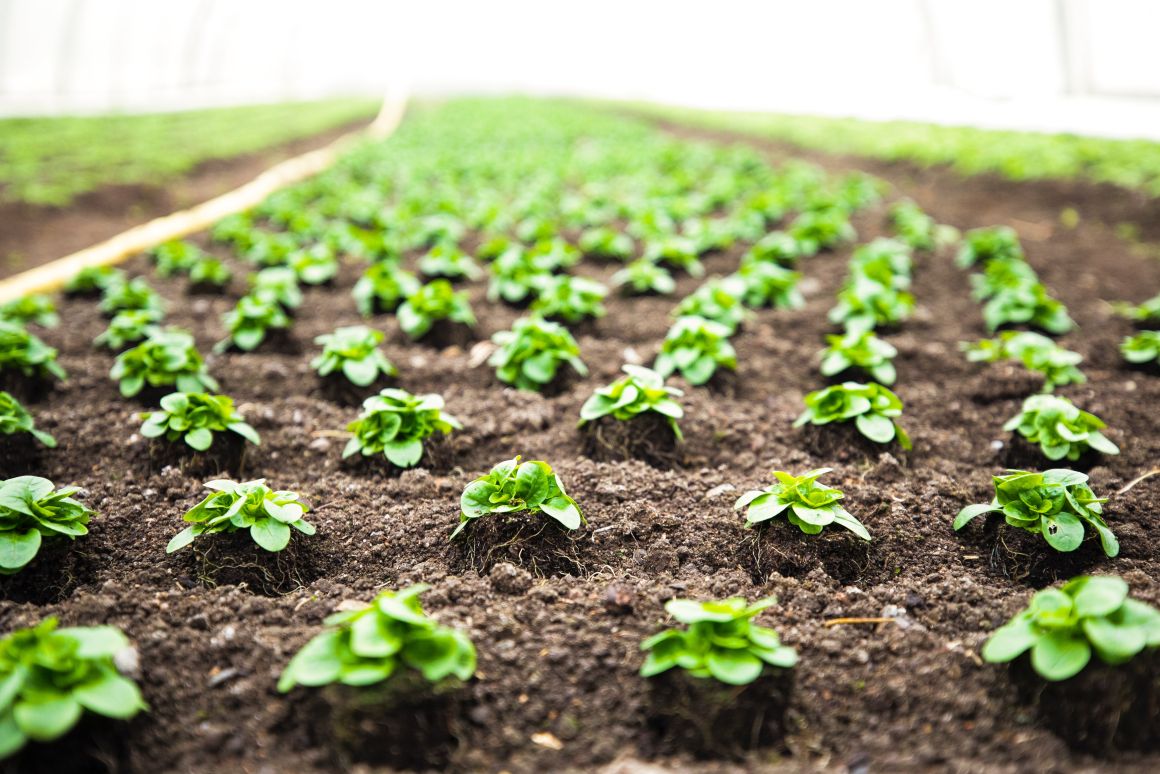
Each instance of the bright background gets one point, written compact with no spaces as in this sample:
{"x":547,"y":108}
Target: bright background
{"x":1091,"y":66}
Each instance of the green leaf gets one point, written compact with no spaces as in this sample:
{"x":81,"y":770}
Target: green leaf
{"x":270,"y":534}
{"x":735,"y":667}
{"x":1097,"y":596}
{"x":361,"y":372}
{"x":972,"y":511}
{"x":318,"y":663}
{"x":563,"y":510}
{"x":180,"y":540}
{"x":1009,"y":641}
{"x":11,"y":737}
{"x":876,"y":427}
{"x":688,"y":611}
{"x":1063,"y":532}
{"x":1059,"y":655}
{"x":370,"y":637}
{"x":476,"y":498}
{"x":47,"y":720}
{"x":113,"y":696}
{"x":404,"y":454}
{"x":199,"y":438}
{"x":1114,"y":644}
{"x":96,"y":641}
{"x":18,"y":548}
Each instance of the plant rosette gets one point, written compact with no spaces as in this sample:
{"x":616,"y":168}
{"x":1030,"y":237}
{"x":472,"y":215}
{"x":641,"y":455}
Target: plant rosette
{"x":396,"y":424}
{"x":15,"y":419}
{"x":266,"y":514}
{"x":862,"y":350}
{"x":873,"y":408}
{"x":1057,"y":504}
{"x":807,"y":505}
{"x":194,"y":418}
{"x":1060,"y":428}
{"x":353,"y":352}
{"x":529,"y":356}
{"x":512,"y":487}
{"x":697,"y":348}
{"x":31,"y":511}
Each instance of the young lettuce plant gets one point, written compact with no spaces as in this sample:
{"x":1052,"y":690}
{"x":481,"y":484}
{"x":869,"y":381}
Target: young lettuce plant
{"x":863,"y":350}
{"x":134,"y":294}
{"x":128,"y":327}
{"x":516,"y":274}
{"x":919,"y":230}
{"x":513,"y":486}
{"x":1027,"y":305}
{"x":642,"y":276}
{"x":985,"y":244}
{"x":14,"y":418}
{"x":607,"y":243}
{"x":248,"y":323}
{"x":1035,"y":351}
{"x":531,"y":353}
{"x":775,"y":247}
{"x":641,"y":390}
{"x":435,"y":301}
{"x":819,"y":230}
{"x":1064,"y":627}
{"x":382,"y":287}
{"x":697,"y":348}
{"x":719,"y":300}
{"x":395,"y":424}
{"x":449,"y":262}
{"x":93,"y":279}
{"x":1147,"y":312}
{"x":864,"y":305}
{"x":569,"y":298}
{"x":1144,"y":347}
{"x":316,"y":265}
{"x":52,"y":676}
{"x":175,"y":257}
{"x":1060,"y":428}
{"x":676,"y":251}
{"x":233,"y":506}
{"x":194,"y":417}
{"x":720,"y":641}
{"x":766,"y":283}
{"x":32,"y":510}
{"x":369,"y":645}
{"x":873,"y":408}
{"x":22,"y":351}
{"x":167,"y":357}
{"x":354,"y":352}
{"x":808,"y":505}
{"x":277,"y":284}
{"x":37,"y":309}
{"x":1055,"y":503}
{"x":1001,"y":275}
{"x":208,"y":271}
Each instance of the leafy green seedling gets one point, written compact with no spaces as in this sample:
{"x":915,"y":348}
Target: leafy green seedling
{"x":175,"y":257}
{"x":317,"y":265}
{"x":985,"y":244}
{"x":676,"y":251}
{"x":368,"y":645}
{"x":569,"y":298}
{"x":607,"y":243}
{"x":641,"y":390}
{"x":516,"y":274}
{"x":14,"y":418}
{"x":128,"y":327}
{"x":1055,"y":503}
{"x":1027,"y":305}
{"x":382,"y":287}
{"x":277,"y":284}
{"x":134,"y":294}
{"x":865,"y":304}
{"x":395,"y":423}
{"x":167,"y":357}
{"x":1147,"y":312}
{"x":1144,"y":347}
{"x":233,"y":506}
{"x":51,"y":676}
{"x":248,"y":323}
{"x":194,"y":417}
{"x":354,"y":352}
{"x":555,"y":254}
{"x":449,"y":262}
{"x":720,"y":641}
{"x":1001,"y":275}
{"x":530,"y":355}
{"x":37,"y":309}
{"x":1035,"y":351}
{"x":1060,"y":428}
{"x":513,"y":486}
{"x":819,"y":230}
{"x":919,"y":230}
{"x":93,"y":279}
{"x":807,"y":504}
{"x":885,"y":261}
{"x":767,"y":283}
{"x":863,"y":350}
{"x":719,"y":300}
{"x":22,"y":351}
{"x":1063,"y":627}
{"x":775,"y":247}
{"x":210,"y":272}
{"x":435,"y":301}
{"x":30,"y":511}
{"x":697,"y":348}
{"x":873,"y":408}
{"x":643,"y":276}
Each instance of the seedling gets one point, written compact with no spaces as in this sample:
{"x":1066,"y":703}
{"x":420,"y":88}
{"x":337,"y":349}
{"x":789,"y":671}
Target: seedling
{"x":134,"y":294}
{"x":270,"y":249}
{"x":1060,"y":429}
{"x":865,"y":305}
{"x":175,"y":257}
{"x":775,"y":247}
{"x":807,"y":504}
{"x":368,"y":645}
{"x":128,"y":327}
{"x":512,"y":487}
{"x":395,"y":423}
{"x":210,"y":272}
{"x":535,"y":229}
{"x":720,"y":641}
{"x":516,"y":274}
{"x":1144,"y":347}
{"x":555,"y":254}
{"x":52,"y":676}
{"x":22,"y":351}
{"x":569,"y":298}
{"x":37,"y":309}
{"x":1001,"y":275}
{"x":719,"y":300}
{"x":1147,"y":312}
{"x":860,"y":349}
{"x":1035,"y":351}
{"x":314,"y":266}
{"x":31,"y":511}
{"x":1027,"y":305}
{"x":607,"y":243}
{"x":697,"y":348}
{"x":252,"y":505}
{"x":1063,"y":627}
{"x":985,"y":244}
{"x":248,"y":323}
{"x":93,"y":279}
{"x":167,"y":357}
{"x":530,"y":355}
{"x":1055,"y":503}
{"x":435,"y":301}
{"x":382,"y":287}
{"x":677,"y":251}
{"x":873,"y":408}
{"x":354,"y":352}
{"x":640,"y":391}
{"x":819,"y":230}
{"x":14,"y":418}
{"x":769,"y":284}
{"x":277,"y":284}
{"x":884,"y":261}
{"x":708,"y":234}
{"x":917,"y":229}
{"x":643,"y":276}
{"x":449,"y":262}
{"x":194,"y":417}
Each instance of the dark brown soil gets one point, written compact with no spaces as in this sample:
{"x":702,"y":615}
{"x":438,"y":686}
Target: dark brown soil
{"x":557,"y":685}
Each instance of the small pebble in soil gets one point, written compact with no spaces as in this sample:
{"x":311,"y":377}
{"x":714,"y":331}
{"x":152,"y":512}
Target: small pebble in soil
{"x":619,"y":599}
{"x":506,"y":578}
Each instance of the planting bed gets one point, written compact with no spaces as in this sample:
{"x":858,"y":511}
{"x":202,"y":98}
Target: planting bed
{"x":558,"y":629}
